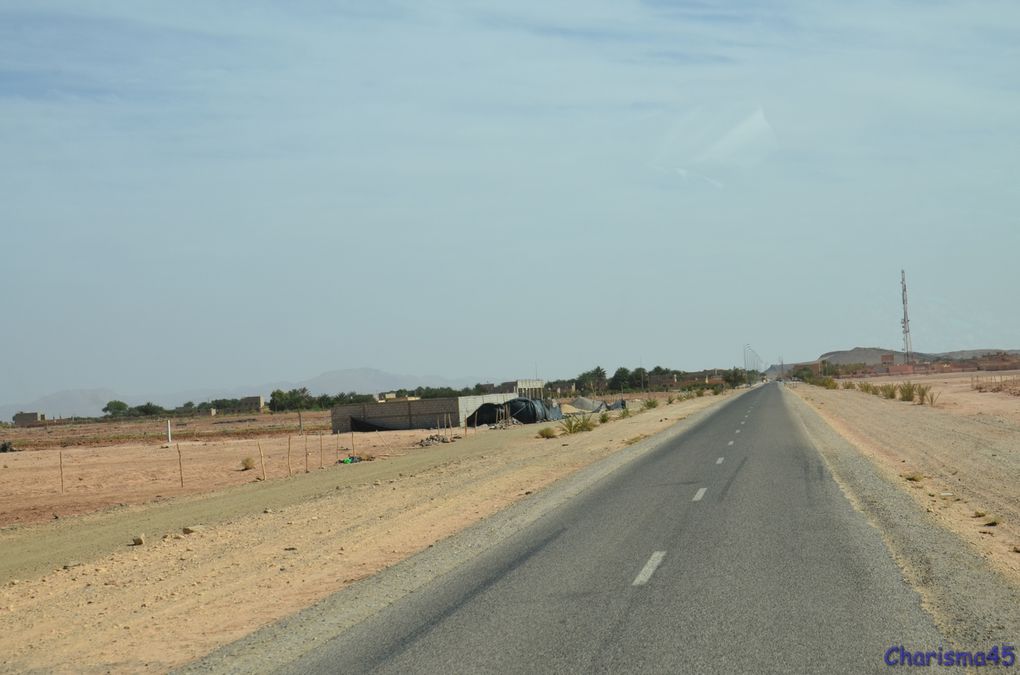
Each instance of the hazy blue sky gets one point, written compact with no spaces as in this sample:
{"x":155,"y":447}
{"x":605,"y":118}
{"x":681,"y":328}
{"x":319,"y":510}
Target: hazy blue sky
{"x":204,"y":194}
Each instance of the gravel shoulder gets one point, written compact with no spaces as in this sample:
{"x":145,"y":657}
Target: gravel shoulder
{"x":76,"y":598}
{"x":974,"y":598}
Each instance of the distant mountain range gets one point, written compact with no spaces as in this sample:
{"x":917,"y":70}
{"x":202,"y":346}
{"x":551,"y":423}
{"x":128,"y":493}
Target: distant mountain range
{"x":872,"y":356}
{"x":90,"y":402}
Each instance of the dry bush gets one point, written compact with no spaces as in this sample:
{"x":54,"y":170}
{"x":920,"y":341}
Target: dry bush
{"x":914,"y":477}
{"x":547,"y":432}
{"x":888,"y":391}
{"x":247,"y":464}
{"x":907,"y":391}
{"x":651,"y":403}
{"x":603,"y":418}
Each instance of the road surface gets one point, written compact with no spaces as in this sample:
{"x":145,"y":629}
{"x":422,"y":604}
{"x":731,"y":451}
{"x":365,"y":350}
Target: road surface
{"x":728,"y":550}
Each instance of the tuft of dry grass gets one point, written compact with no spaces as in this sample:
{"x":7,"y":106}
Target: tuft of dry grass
{"x":547,"y":432}
{"x":247,"y":464}
{"x":914,"y":476}
{"x":604,"y":418}
{"x":992,"y":522}
{"x":979,"y":514}
{"x":635,"y":439}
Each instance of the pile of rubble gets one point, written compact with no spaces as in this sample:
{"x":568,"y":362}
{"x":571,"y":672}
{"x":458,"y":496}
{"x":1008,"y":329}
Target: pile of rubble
{"x":434,"y":439}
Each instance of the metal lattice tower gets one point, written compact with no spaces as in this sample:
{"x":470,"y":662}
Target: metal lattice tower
{"x":908,"y":348}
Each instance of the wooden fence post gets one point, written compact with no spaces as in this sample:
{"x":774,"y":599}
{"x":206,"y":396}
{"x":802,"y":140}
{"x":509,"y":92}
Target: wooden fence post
{"x":61,"y":472}
{"x":262,"y":458}
{"x":180,"y":463}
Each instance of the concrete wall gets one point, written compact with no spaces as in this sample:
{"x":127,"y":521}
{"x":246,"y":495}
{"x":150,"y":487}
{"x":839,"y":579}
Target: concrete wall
{"x":417,"y":414}
{"x":421,"y":414}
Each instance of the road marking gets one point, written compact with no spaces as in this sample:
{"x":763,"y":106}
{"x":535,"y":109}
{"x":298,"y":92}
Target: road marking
{"x":730,"y":443}
{"x":738,"y":431}
{"x":699,"y":494}
{"x":649,"y":569}
{"x":742,"y":422}
{"x":719,"y":461}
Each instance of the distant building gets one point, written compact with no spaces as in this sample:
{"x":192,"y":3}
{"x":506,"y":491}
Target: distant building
{"x":29,"y":419}
{"x":251,"y":404}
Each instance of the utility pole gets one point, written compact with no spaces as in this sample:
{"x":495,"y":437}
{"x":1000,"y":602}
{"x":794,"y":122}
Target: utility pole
{"x":908,"y":348}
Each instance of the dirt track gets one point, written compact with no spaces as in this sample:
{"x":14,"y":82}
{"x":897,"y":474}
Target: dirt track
{"x":267,"y":550}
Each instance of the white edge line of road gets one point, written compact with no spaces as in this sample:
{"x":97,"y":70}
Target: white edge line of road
{"x":649,"y":569}
{"x":699,"y":494}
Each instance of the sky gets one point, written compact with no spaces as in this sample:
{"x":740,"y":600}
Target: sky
{"x":199,"y":194}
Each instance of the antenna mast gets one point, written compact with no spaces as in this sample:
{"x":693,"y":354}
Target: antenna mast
{"x":908,"y":349}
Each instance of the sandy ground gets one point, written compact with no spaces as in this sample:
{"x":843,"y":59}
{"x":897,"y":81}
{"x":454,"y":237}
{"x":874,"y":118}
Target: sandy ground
{"x":84,"y":601}
{"x":152,"y":431}
{"x":960,"y":460}
{"x":102,"y":476}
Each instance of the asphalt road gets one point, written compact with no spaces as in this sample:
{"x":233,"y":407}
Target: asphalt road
{"x":727,"y":550}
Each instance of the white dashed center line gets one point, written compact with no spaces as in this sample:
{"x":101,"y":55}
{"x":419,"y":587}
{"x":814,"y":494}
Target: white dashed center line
{"x":742,"y":422}
{"x":719,"y":461}
{"x":649,"y":569}
{"x":730,"y":443}
{"x":738,"y":431}
{"x":699,"y":494}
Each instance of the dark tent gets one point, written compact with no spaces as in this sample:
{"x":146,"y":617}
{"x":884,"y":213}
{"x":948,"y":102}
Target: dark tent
{"x":525,"y":410}
{"x":618,"y":405}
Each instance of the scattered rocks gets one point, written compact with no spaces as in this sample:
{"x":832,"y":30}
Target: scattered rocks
{"x":138,"y":541}
{"x":192,"y":529}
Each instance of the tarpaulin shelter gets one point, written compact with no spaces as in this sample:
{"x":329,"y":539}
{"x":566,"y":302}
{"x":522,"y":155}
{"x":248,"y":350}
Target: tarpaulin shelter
{"x":588,"y":405}
{"x":524,"y":410}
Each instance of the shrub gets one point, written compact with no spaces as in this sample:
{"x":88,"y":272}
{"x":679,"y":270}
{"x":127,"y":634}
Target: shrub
{"x":907,"y":391}
{"x":247,"y":464}
{"x":650,"y":403}
{"x":625,"y":413}
{"x":699,"y":392}
{"x":849,"y":384}
{"x":547,"y":432}
{"x":888,"y":391}
{"x":603,"y":418}
{"x":7,"y":446}
{"x":577,"y":423}
{"x":922,"y":392}
{"x":669,"y":400}
{"x":933,"y":398}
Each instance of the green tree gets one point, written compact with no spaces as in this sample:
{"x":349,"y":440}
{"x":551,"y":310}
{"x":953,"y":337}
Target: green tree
{"x":620,"y":379}
{"x":115,"y":408}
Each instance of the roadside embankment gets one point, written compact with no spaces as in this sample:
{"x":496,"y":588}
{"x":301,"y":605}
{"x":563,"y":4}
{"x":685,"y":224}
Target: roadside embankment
{"x":75,"y":597}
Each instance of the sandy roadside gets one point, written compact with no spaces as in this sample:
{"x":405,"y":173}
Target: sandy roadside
{"x":267,"y":550}
{"x":959,"y":463}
